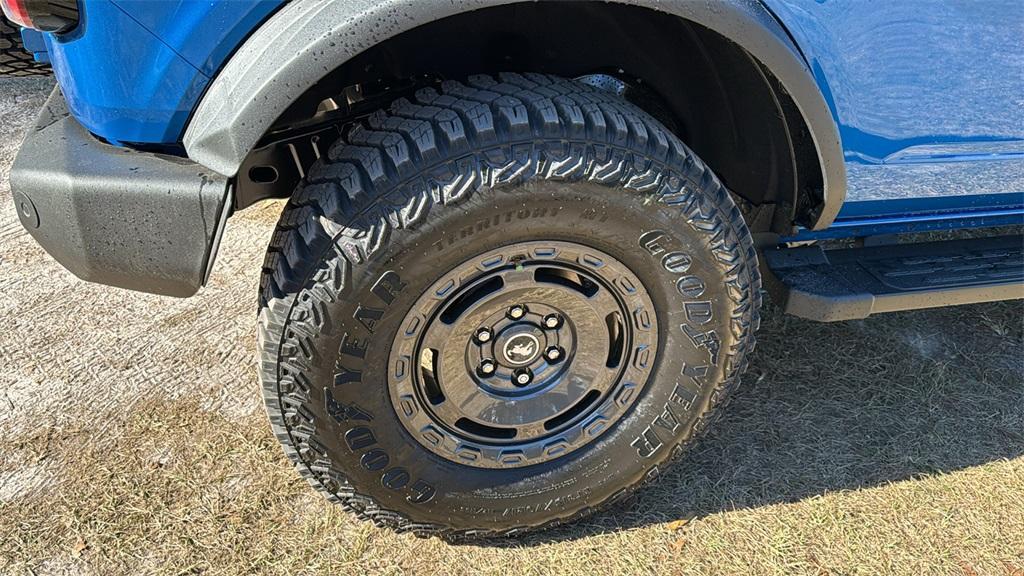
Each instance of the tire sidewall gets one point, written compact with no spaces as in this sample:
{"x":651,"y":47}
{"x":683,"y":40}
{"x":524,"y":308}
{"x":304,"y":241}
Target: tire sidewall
{"x":344,"y":415}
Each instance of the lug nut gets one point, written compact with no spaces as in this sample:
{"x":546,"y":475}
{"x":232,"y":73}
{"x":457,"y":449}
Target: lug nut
{"x":553,"y":354}
{"x":483,"y":335}
{"x":487,"y":367}
{"x":516,"y":312}
{"x":552,"y":321}
{"x":522,"y":376}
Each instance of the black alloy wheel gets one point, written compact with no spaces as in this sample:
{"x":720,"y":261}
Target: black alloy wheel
{"x":528,"y":361}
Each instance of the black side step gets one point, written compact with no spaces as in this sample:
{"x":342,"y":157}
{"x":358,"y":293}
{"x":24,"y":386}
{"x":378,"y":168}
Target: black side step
{"x":845,"y":284}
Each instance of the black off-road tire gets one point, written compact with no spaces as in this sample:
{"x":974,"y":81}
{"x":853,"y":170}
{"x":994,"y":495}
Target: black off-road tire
{"x":14,"y":60}
{"x":466,"y":172}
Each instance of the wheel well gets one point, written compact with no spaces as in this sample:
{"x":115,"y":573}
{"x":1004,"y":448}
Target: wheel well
{"x":712,"y":93}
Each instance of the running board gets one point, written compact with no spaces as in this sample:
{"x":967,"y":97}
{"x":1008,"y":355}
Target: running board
{"x":846,"y":284}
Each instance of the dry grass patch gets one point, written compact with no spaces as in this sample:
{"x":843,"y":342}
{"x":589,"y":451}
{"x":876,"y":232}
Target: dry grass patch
{"x":901,"y":452}
{"x":134,"y":443}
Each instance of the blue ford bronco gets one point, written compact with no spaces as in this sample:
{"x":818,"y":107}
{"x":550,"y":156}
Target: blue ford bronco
{"x":521,"y":262}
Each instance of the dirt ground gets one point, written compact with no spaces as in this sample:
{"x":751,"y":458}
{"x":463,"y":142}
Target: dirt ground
{"x":134,"y":442}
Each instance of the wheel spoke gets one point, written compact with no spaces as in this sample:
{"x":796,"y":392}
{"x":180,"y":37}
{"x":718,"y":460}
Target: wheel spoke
{"x":447,"y":411}
{"x":437,"y":336}
{"x":518,"y":277}
{"x":603,"y":302}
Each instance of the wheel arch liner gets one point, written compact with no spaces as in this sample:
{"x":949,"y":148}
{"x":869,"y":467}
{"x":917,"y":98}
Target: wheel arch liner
{"x":307,"y":39}
{"x":117,"y":216}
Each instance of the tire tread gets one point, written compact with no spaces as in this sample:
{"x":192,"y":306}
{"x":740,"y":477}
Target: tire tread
{"x":390,"y":170}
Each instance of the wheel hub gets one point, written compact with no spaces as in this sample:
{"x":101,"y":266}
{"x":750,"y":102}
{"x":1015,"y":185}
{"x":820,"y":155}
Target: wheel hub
{"x":520,"y":347}
{"x":523,"y":354}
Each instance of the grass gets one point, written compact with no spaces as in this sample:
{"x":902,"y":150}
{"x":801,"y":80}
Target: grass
{"x":134,"y":443}
{"x":890,"y":445}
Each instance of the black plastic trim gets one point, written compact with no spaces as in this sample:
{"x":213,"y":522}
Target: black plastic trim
{"x":117,"y":216}
{"x":854,"y":283}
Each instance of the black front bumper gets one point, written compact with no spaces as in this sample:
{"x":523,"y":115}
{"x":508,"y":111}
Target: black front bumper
{"x":117,"y":216}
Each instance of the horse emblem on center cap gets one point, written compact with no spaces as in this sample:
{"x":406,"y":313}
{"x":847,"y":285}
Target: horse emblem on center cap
{"x":521,"y":349}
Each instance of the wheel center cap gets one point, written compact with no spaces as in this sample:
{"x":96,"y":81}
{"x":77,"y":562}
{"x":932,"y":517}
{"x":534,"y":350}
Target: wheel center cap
{"x":521,"y":349}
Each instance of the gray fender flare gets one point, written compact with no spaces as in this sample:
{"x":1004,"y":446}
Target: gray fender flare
{"x":306,"y":39}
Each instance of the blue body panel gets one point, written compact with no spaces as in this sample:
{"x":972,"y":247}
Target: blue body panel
{"x":928,"y":95}
{"x":203,"y":33}
{"x":33,"y":41}
{"x":134,"y":70}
